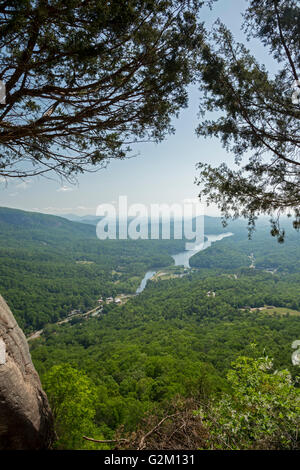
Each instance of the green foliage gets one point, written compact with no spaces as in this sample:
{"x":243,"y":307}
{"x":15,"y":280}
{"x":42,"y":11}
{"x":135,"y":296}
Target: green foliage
{"x":72,"y":397}
{"x":257,"y":119}
{"x":104,"y":374}
{"x":262,"y":411}
{"x":171,"y":340}
{"x":174,"y":339}
{"x":235,"y":252}
{"x":86,"y":79}
{"x":43,"y":274}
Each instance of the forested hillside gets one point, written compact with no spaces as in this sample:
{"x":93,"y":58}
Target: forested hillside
{"x":262,"y":250}
{"x":50,"y":265}
{"x":176,"y":339}
{"x":145,"y":342}
{"x":173,"y":339}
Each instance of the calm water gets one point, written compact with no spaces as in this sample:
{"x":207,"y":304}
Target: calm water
{"x":142,"y":286}
{"x":183,"y":258}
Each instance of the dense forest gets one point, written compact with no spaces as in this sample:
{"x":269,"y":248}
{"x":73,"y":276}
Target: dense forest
{"x":104,"y":375}
{"x":136,"y":349}
{"x":234,"y":252}
{"x":172,"y":339}
{"x":50,"y":266}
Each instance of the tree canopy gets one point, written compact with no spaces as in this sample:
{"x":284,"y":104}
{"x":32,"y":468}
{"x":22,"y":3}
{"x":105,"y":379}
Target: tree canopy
{"x":73,"y":398}
{"x":86,"y":79}
{"x":261,"y":413}
{"x":258,"y":115}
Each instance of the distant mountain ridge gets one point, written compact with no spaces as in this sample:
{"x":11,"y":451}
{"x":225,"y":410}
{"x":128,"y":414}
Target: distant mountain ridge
{"x":211,"y":224}
{"x":50,"y":265}
{"x":15,"y":221}
{"x":27,"y":225}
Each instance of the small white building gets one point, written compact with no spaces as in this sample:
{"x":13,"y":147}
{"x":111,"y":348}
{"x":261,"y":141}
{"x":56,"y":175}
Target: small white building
{"x":211,"y":294}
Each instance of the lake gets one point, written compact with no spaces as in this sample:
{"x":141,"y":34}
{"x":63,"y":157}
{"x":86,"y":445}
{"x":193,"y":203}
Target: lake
{"x":183,"y":258}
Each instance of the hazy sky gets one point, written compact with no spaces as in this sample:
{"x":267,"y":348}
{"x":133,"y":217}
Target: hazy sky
{"x":162,"y":173}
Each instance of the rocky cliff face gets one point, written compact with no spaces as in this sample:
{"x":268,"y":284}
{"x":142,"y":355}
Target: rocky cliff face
{"x":25,"y":417}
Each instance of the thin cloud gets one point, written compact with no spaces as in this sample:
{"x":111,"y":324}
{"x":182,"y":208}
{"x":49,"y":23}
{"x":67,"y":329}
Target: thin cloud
{"x":64,"y":189}
{"x":24,"y":184}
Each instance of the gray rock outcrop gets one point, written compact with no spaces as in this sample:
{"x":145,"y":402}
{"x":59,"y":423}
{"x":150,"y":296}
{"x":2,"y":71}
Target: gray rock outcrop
{"x":25,"y":417}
